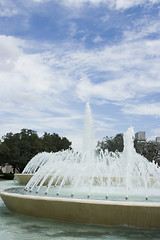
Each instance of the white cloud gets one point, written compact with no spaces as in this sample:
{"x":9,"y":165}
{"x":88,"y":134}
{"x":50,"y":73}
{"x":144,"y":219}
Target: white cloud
{"x":36,"y":88}
{"x":42,"y":85}
{"x":142,"y":28}
{"x":124,"y":4}
{"x":113,"y":4}
{"x":10,"y":51}
{"x":8,"y":8}
{"x":129,"y":70}
{"x":150,"y":109}
{"x":40,"y":1}
{"x":29,"y":84}
{"x":156,"y":131}
{"x":98,"y":39}
{"x":28,"y":72}
{"x":116,"y":90}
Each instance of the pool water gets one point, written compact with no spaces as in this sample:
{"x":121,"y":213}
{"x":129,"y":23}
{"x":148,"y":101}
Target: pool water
{"x":18,"y":227}
{"x":66,"y":193}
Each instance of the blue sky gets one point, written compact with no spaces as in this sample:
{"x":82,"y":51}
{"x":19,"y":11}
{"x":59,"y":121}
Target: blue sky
{"x":55,"y":55}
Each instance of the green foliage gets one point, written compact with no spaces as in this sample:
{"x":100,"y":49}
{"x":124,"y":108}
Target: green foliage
{"x":17,"y":149}
{"x":148,"y":149}
{"x":7,"y":176}
{"x":112,"y":144}
{"x":53,"y":142}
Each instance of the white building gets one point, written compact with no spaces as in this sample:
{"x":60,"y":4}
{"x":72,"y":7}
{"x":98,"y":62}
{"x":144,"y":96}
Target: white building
{"x":6,"y":168}
{"x":140,"y":136}
{"x":158,"y":139}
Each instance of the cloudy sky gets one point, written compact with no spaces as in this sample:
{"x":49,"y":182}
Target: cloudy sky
{"x":56,"y":55}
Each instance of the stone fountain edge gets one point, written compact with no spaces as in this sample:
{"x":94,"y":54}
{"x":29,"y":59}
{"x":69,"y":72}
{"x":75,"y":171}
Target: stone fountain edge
{"x":87,"y":211}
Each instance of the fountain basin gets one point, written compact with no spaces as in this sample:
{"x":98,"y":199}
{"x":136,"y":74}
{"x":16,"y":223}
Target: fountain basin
{"x":103,"y":212}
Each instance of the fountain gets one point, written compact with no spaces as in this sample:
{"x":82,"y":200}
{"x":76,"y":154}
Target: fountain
{"x":91,"y":186}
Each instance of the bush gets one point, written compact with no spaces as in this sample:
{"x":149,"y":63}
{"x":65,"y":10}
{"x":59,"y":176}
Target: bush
{"x":7,"y":176}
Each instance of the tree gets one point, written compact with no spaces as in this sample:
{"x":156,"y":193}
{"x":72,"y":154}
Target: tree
{"x":17,"y":149}
{"x":149,"y":150}
{"x":4,"y":153}
{"x":112,"y":144}
{"x":54,"y":143}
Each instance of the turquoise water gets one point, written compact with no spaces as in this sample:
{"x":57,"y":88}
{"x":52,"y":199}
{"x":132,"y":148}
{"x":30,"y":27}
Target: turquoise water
{"x":18,"y":227}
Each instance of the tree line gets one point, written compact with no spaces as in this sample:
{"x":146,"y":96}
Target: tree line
{"x":17,"y":149}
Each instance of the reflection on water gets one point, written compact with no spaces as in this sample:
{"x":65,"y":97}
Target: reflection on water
{"x":17,"y":227}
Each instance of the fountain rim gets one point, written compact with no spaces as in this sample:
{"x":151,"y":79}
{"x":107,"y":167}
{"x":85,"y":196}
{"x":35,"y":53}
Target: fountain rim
{"x":86,"y":211}
{"x":78,"y":200}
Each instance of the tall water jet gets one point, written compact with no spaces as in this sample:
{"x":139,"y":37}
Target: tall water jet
{"x":128,"y":154}
{"x":140,"y":176}
{"x":88,"y":133}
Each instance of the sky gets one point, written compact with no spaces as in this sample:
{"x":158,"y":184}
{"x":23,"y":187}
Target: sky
{"x":57,"y":55}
